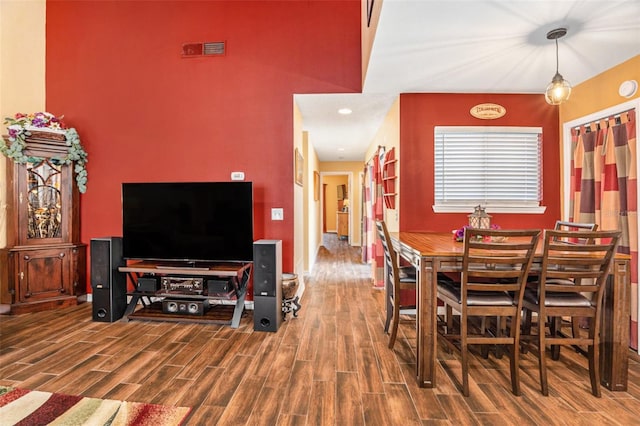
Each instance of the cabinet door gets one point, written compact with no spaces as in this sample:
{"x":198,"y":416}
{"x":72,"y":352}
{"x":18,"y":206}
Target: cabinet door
{"x":44,"y":203}
{"x":43,"y":274}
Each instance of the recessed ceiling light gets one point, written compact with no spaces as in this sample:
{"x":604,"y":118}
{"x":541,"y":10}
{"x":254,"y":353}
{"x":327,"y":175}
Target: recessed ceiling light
{"x":344,"y":111}
{"x":340,"y":149}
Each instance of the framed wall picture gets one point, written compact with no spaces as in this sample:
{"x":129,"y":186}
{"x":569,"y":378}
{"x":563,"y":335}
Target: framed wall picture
{"x":316,"y":186}
{"x":298,"y":167}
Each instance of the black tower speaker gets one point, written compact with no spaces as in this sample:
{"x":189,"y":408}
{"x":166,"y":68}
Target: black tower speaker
{"x":109,"y":286}
{"x":267,"y":285}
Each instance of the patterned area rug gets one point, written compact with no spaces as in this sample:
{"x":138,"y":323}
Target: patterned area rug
{"x":27,"y":407}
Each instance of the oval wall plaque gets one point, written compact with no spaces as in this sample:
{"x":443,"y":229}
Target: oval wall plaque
{"x":488,"y":111}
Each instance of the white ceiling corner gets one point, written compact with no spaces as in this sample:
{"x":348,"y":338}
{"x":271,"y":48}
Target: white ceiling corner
{"x":472,"y":46}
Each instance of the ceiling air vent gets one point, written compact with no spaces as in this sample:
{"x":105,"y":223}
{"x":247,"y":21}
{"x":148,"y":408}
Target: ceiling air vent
{"x":208,"y":48}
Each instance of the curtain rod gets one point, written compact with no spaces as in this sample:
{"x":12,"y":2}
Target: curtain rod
{"x":376,"y":154}
{"x":616,"y":117}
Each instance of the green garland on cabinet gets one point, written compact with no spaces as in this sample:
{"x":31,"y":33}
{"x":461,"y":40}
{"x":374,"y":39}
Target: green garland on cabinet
{"x":19,"y":128}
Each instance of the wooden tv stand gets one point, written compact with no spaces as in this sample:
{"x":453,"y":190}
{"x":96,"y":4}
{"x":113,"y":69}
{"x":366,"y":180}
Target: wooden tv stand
{"x":151,"y":310}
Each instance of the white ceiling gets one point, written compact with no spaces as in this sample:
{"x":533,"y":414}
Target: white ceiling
{"x":474,"y":46}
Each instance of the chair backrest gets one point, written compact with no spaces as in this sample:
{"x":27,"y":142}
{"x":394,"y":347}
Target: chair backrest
{"x":390,"y":257}
{"x":497,"y":260}
{"x":562,"y":225}
{"x":577,"y":268}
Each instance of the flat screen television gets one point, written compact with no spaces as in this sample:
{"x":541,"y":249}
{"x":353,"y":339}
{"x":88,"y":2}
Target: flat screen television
{"x":188,"y":221}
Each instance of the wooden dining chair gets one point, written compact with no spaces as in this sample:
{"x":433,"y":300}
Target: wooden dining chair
{"x":571,"y":284}
{"x":495,"y":267}
{"x":556,"y":323}
{"x":397,"y":280}
{"x":562,"y":225}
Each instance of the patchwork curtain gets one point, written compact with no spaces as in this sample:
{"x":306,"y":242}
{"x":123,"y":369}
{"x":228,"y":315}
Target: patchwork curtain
{"x":604,"y":187}
{"x":378,"y":214}
{"x":374,"y":210}
{"x":368,"y":231}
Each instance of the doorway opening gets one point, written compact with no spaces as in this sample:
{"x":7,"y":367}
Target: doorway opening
{"x":336,"y":204}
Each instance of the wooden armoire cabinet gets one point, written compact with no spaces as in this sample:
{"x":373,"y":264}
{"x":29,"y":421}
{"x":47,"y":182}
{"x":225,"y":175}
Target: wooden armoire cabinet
{"x":44,"y":258}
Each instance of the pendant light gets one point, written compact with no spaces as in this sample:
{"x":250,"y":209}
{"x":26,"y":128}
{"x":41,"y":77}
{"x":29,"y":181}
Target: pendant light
{"x":559,"y":89}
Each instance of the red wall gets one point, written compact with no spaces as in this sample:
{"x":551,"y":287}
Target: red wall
{"x":114,"y":70}
{"x":420,"y":113}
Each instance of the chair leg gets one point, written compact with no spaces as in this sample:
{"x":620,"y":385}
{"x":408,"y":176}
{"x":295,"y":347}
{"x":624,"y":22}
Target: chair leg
{"x":389,"y":304}
{"x":484,"y":349}
{"x":501,"y":329}
{"x":554,"y":330}
{"x":575,"y":326}
{"x":578,"y":323}
{"x":542,"y":361}
{"x":449,"y":314}
{"x":594,"y":361}
{"x":515,"y":359}
{"x":464,"y":351}
{"x":526,"y":329}
{"x":394,"y":326}
{"x":448,"y":324}
{"x":388,"y":320}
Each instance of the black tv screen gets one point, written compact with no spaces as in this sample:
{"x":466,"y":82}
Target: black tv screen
{"x":188,"y":221}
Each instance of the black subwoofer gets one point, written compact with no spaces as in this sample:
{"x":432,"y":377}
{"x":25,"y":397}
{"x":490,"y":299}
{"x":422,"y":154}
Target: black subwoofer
{"x":267,"y":285}
{"x":108,"y":285}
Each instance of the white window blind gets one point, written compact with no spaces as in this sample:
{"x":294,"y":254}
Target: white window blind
{"x":492,"y":166}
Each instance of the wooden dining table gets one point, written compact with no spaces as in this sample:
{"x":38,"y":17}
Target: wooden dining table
{"x":434,"y":252}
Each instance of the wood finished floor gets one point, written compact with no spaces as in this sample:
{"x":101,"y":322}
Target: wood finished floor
{"x":329,"y":366}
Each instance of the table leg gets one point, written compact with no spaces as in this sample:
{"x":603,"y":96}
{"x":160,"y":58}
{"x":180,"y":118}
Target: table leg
{"x":427,"y":305}
{"x":614,"y":336}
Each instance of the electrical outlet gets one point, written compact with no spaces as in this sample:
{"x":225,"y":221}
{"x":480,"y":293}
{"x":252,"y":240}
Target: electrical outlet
{"x":277,"y":214}
{"x":237,"y":175}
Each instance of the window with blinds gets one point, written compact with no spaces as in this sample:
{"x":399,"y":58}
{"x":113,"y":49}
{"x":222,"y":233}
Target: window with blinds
{"x":491,"y":166}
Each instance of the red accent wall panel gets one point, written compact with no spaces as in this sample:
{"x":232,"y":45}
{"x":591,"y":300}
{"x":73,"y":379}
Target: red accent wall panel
{"x":420,"y":113}
{"x":114,"y":69}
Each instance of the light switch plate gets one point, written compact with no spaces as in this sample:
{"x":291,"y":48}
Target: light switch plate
{"x":237,"y":175}
{"x":277,"y":214}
